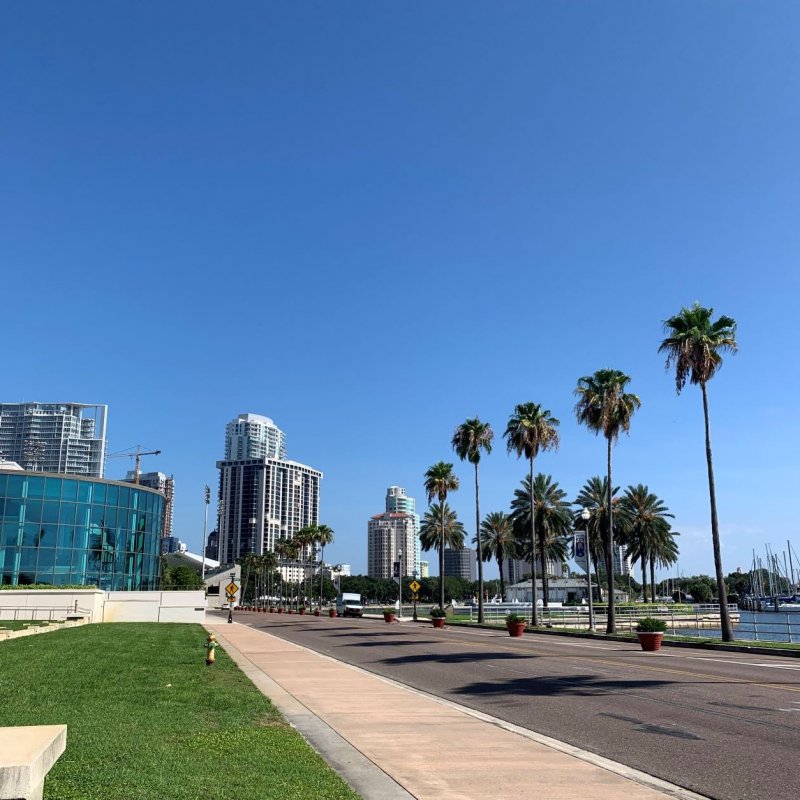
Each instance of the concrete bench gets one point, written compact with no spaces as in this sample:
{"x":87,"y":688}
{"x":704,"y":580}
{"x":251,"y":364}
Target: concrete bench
{"x":27,"y":754}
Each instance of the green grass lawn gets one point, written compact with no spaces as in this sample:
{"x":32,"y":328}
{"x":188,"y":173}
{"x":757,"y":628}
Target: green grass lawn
{"x":147,"y":720}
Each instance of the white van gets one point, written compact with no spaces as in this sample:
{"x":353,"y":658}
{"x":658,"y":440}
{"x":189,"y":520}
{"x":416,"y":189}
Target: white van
{"x":348,"y":604}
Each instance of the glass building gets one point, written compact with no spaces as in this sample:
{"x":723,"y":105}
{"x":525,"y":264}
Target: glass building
{"x":59,"y":529}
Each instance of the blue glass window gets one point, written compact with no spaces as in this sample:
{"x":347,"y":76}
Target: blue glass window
{"x":52,"y":489}
{"x":69,"y":490}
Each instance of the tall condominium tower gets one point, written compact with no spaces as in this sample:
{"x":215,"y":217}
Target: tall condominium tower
{"x":253,"y":436}
{"x":399,"y":502}
{"x":461,"y":563}
{"x":164,"y":484}
{"x":55,"y":437}
{"x":622,"y":561}
{"x":263,"y":498}
{"x":390,"y":538}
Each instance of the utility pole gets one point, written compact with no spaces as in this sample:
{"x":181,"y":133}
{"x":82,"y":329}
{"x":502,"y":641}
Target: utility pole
{"x":207,"y":497}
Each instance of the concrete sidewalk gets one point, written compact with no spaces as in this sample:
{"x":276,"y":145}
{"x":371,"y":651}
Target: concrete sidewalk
{"x":389,"y":741}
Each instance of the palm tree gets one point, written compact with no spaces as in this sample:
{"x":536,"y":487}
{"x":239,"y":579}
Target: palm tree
{"x":439,"y":480}
{"x":694,"y":344}
{"x":552,"y":518}
{"x":306,"y":539}
{"x":530,"y":430}
{"x":498,"y":542}
{"x":324,"y":536}
{"x":468,"y":440}
{"x":648,"y":530}
{"x":605,"y":407}
{"x":593,"y":496}
{"x":438,"y":519}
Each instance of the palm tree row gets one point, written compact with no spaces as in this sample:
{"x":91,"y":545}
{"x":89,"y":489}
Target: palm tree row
{"x":694,"y":345}
{"x":300,"y":548}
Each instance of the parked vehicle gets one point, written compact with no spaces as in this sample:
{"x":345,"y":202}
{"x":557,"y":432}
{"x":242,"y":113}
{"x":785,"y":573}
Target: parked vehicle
{"x":348,"y":604}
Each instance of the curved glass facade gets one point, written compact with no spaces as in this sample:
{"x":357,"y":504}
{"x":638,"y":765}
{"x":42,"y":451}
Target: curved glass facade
{"x":60,"y":529}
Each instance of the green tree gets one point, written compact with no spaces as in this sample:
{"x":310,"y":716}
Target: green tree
{"x":498,"y":542}
{"x":441,"y":524}
{"x":439,"y":481}
{"x":695,"y":344}
{"x":552,"y":519}
{"x":647,"y":531}
{"x":324,"y":536}
{"x":605,"y":407}
{"x":531,"y":430}
{"x":469,"y":439}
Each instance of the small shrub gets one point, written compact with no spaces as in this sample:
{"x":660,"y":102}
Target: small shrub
{"x":651,"y":625}
{"x":515,"y":618}
{"x":437,"y":612}
{"x":389,"y":611}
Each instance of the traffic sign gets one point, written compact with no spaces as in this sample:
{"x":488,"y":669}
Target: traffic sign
{"x":415,"y":597}
{"x":231,"y":588}
{"x":414,"y":586}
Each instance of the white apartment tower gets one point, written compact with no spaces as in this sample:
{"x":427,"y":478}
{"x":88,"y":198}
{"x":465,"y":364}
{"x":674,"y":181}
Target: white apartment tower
{"x":398,"y":501}
{"x":390,"y":538}
{"x":263,"y":498}
{"x":68,"y":438}
{"x":163,"y":483}
{"x":253,"y":436}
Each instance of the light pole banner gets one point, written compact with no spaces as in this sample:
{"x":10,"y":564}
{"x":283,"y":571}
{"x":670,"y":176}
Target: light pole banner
{"x":580,"y":551}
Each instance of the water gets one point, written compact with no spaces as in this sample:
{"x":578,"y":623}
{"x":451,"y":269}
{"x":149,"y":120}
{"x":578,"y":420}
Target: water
{"x":765,"y":626}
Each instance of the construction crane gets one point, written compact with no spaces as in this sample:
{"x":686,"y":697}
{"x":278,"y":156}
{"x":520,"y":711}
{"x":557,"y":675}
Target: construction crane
{"x":137,"y":456}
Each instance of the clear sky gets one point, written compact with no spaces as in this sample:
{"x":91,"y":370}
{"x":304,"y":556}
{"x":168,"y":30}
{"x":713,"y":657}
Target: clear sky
{"x":371,"y":220}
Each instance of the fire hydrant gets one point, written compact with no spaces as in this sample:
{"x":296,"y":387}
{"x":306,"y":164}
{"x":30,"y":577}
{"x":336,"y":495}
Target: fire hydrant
{"x":211,"y":645}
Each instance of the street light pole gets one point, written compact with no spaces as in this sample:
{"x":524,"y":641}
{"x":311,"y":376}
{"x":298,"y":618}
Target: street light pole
{"x":399,"y":584}
{"x":231,"y":602}
{"x":207,"y":497}
{"x":414,"y":574}
{"x":586,"y":515}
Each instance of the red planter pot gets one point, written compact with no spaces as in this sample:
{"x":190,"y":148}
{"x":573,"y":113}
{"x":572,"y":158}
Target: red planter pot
{"x":301,"y":612}
{"x":650,"y":642}
{"x":316,"y":612}
{"x":515,"y":629}
{"x":388,"y":617}
{"x":332,"y":612}
{"x":438,"y":622}
{"x":272,"y":609}
{"x":290,"y":611}
{"x":281,"y":610}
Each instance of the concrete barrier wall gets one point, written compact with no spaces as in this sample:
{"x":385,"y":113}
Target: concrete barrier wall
{"x":98,"y":606}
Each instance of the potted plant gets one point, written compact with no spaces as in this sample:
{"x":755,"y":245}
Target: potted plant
{"x":331,"y":612}
{"x":281,"y":610}
{"x":388,"y":615}
{"x":290,"y":610}
{"x":515,"y":624}
{"x":437,"y":617}
{"x":272,"y":609}
{"x":650,"y":631}
{"x":301,"y":610}
{"x":316,"y":612}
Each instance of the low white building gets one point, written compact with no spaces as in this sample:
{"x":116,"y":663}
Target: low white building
{"x":560,"y":590}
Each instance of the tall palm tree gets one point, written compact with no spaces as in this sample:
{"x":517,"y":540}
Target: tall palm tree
{"x":439,"y":480}
{"x":324,"y":536}
{"x":531,"y":430}
{"x":468,"y":440}
{"x":605,"y":407}
{"x":498,"y":542}
{"x":694,"y":344}
{"x":306,"y":539}
{"x":648,"y":528}
{"x":440,"y":518}
{"x":552,"y":518}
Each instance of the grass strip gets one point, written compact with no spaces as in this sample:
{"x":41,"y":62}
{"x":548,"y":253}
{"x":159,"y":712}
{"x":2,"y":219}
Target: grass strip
{"x":19,"y":624}
{"x":147,"y":720}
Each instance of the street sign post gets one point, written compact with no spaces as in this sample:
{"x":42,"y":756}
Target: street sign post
{"x":414,"y":586}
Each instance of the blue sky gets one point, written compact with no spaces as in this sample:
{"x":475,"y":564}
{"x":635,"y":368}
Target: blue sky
{"x":370,"y":221}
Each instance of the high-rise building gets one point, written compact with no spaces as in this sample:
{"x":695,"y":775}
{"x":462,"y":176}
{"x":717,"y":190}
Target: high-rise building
{"x":399,"y":502}
{"x":390,"y":538}
{"x":424,"y":569}
{"x":254,"y":436}
{"x":263,"y":497}
{"x":162,"y":483}
{"x":66,"y":438}
{"x":460,"y":563}
{"x":622,"y":561}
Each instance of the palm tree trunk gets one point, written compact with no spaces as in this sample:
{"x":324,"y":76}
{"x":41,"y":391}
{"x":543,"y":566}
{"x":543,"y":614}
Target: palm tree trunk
{"x":725,"y":617}
{"x":653,"y":577}
{"x":534,"y":613}
{"x":543,"y":563}
{"x":441,"y":558}
{"x":502,"y":582}
{"x":480,"y":549}
{"x":644,"y":577}
{"x":611,"y":624}
{"x":321,"y":572}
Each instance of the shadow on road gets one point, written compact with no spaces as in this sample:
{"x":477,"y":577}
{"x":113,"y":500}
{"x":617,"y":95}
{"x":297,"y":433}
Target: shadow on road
{"x":455,"y":658}
{"x":550,"y":686}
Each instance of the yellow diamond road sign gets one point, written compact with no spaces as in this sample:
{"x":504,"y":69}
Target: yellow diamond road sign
{"x":231,"y":588}
{"x":414,"y":586}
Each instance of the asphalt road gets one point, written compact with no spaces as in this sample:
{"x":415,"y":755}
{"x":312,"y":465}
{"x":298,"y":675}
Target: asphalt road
{"x":726,"y":725}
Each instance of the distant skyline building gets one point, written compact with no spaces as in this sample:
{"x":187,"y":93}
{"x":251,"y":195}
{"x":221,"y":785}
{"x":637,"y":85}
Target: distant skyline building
{"x":390,"y":538}
{"x":163,"y":483}
{"x":461,"y":562}
{"x":66,"y":438}
{"x":518,"y":569}
{"x":399,"y":502}
{"x":424,"y":569}
{"x":263,"y":497}
{"x":622,"y":561}
{"x":254,"y":436}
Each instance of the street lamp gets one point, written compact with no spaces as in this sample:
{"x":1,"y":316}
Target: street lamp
{"x":231,"y":602}
{"x":586,"y":515}
{"x":414,"y":575}
{"x":399,"y":584}
{"x":207,"y":497}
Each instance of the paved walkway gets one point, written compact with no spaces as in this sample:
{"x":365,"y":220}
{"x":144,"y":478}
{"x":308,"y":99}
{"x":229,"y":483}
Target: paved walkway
{"x":389,"y":741}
